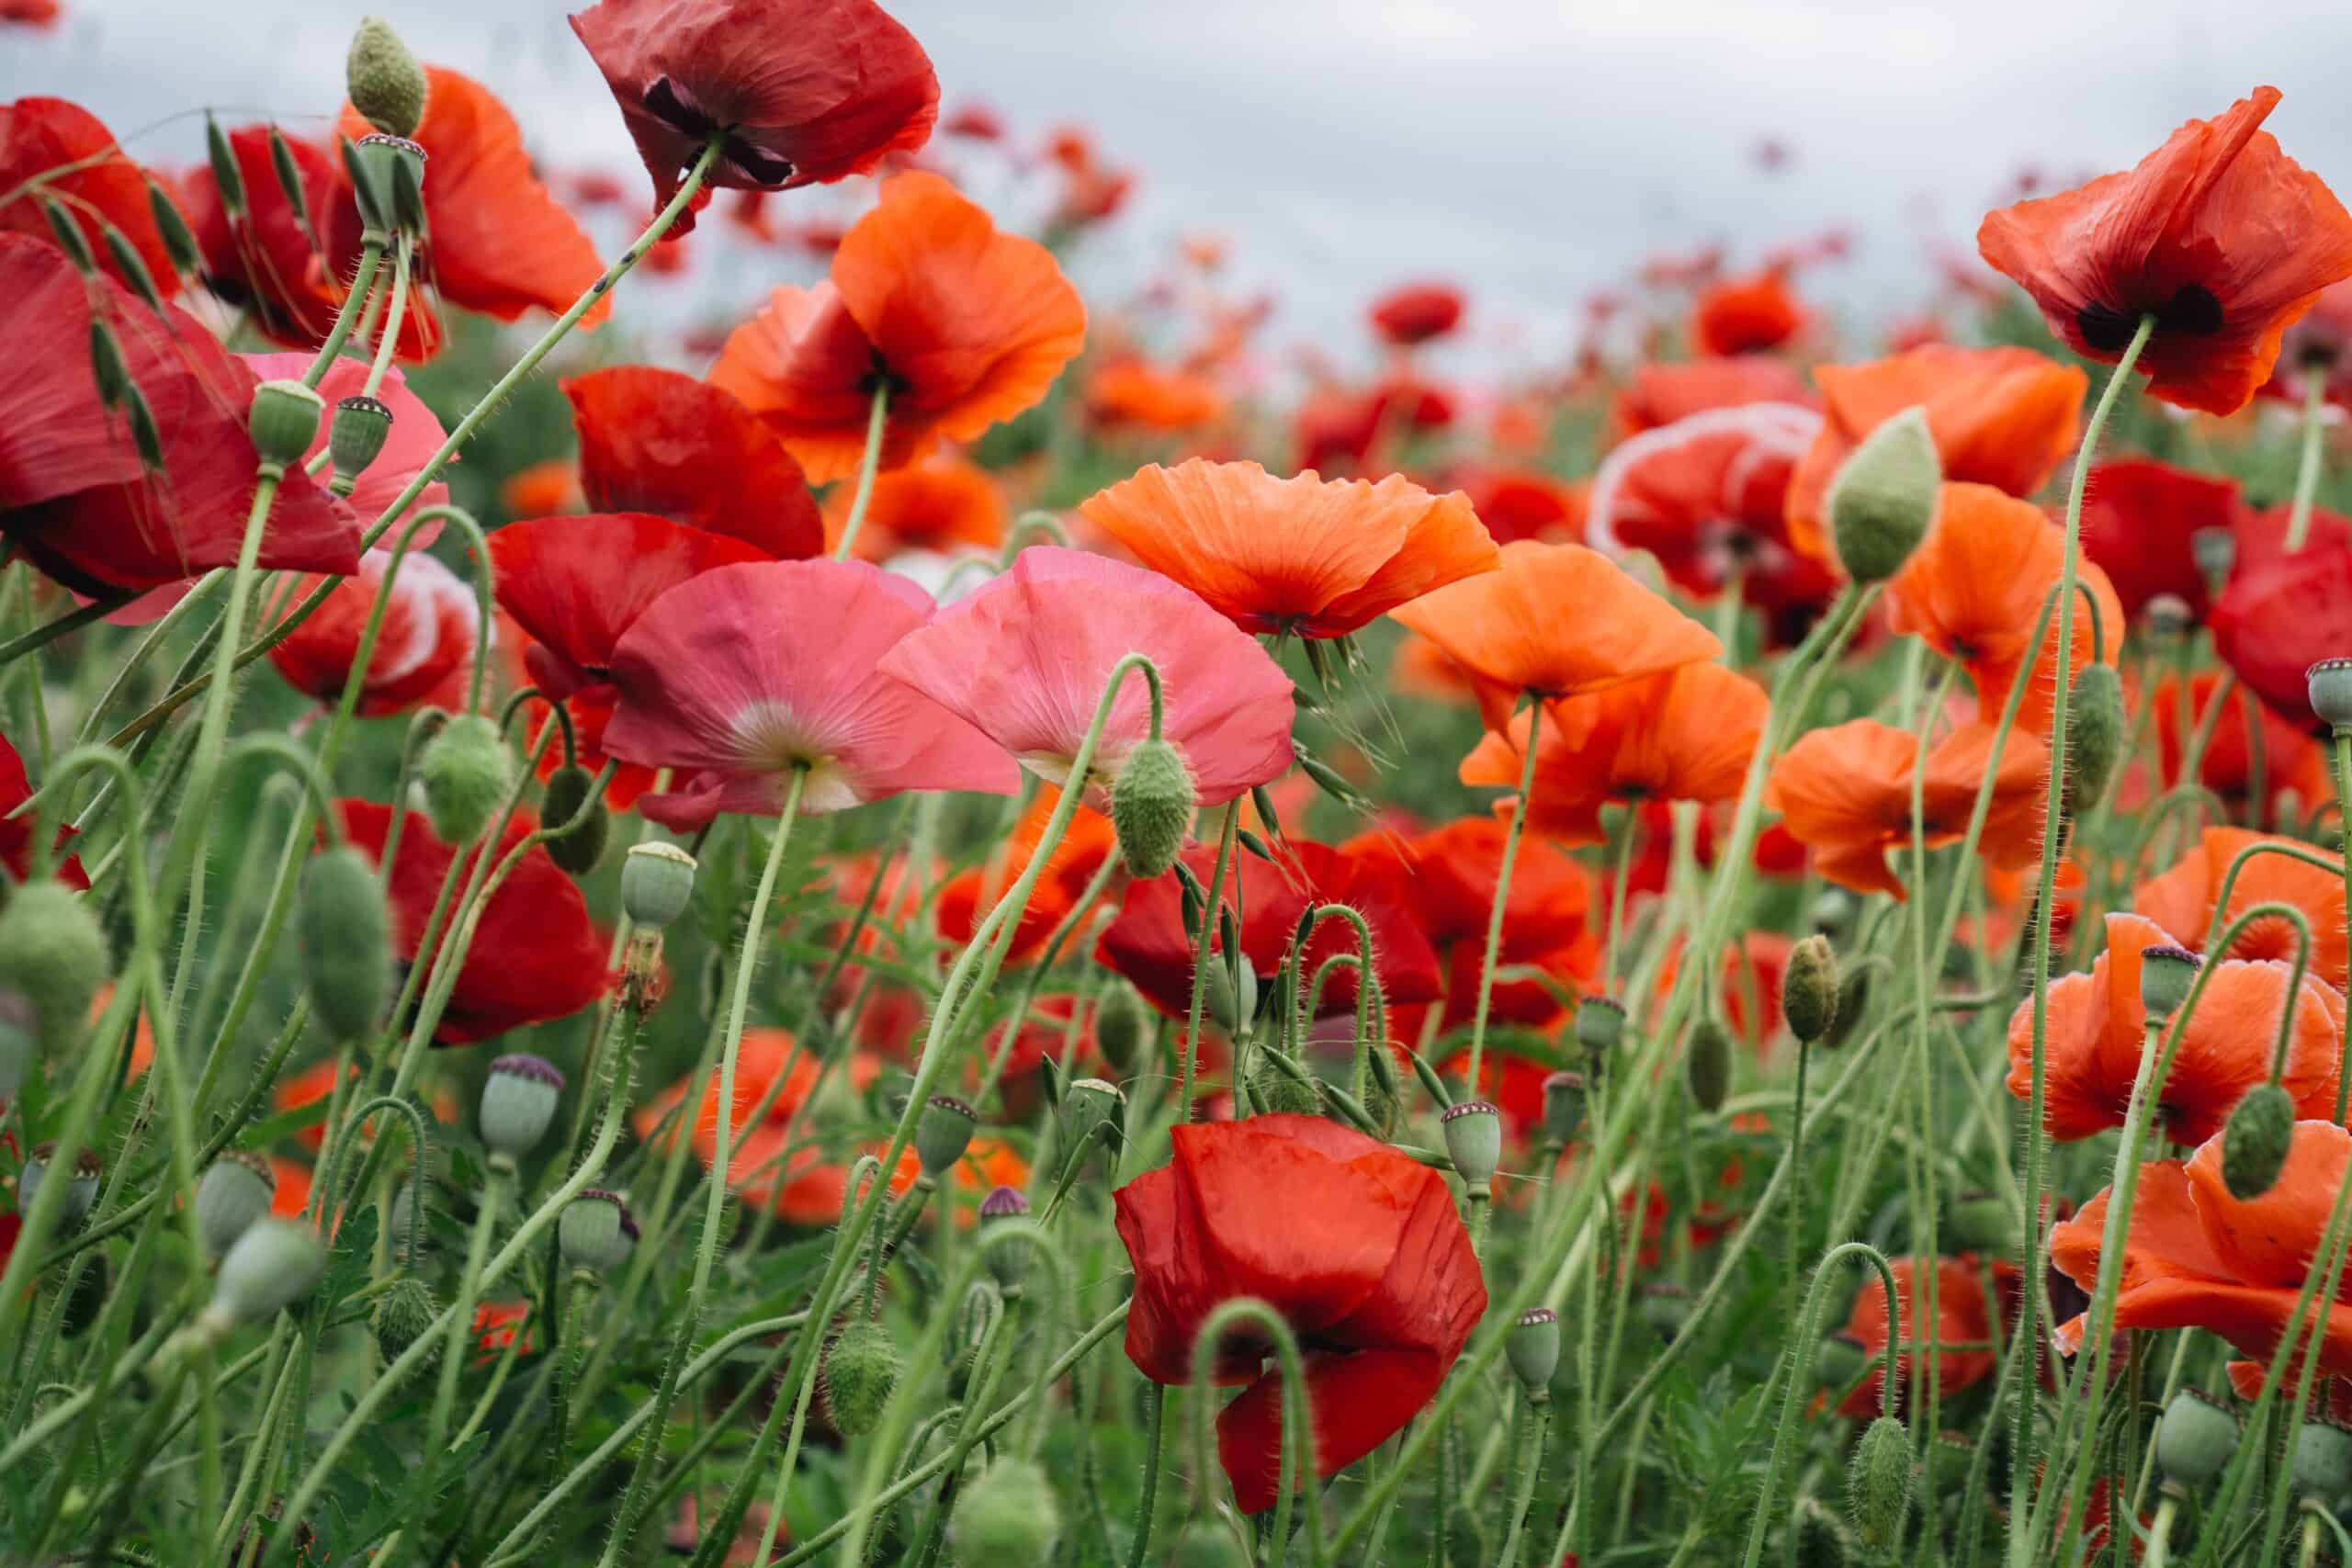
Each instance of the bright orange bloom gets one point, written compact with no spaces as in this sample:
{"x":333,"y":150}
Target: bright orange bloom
{"x":965,"y":326}
{"x":2181,"y":900}
{"x":1686,"y":734}
{"x":2003,"y":417}
{"x":1845,"y":793}
{"x":943,"y":503}
{"x":1136,"y":394}
{"x":1974,"y":588}
{"x":545,"y":489}
{"x":1306,"y":555}
{"x":2095,"y":1033}
{"x":2289,"y":759}
{"x":804,"y":1186}
{"x":1741,"y":315}
{"x":2218,"y":234}
{"x":1963,"y":1317}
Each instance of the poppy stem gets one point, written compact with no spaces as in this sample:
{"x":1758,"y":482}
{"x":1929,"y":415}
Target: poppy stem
{"x":2160,"y":1532}
{"x":867,"y":467}
{"x":50,"y":631}
{"x":388,"y":337}
{"x":461,"y":1310}
{"x":1210,"y":907}
{"x":1502,"y":892}
{"x":2298,"y":517}
{"x":1156,"y":1402}
{"x":1530,"y":1466}
{"x":371,"y":257}
{"x":2343,"y":750}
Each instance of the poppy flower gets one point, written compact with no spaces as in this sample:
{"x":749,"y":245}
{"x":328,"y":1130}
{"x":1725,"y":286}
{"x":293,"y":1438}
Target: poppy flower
{"x":1845,"y":792}
{"x":1417,"y":312}
{"x":2218,"y":234}
{"x":804,"y":1186}
{"x":1316,"y":557}
{"x":74,"y":496}
{"x":661,"y":441}
{"x":2244,"y":731}
{"x":2141,"y":521}
{"x":39,"y":136}
{"x":429,"y":629}
{"x":1135,"y":394}
{"x":2281,"y":613}
{"x":965,"y":325}
{"x":747,"y":672}
{"x":27,"y":14}
{"x":2003,"y":417}
{"x":1519,"y":503}
{"x":543,"y":489}
{"x":1663,"y":392}
{"x":1973,"y":591}
{"x":2320,"y":344}
{"x":535,"y":954}
{"x":2097,"y":1030}
{"x":2181,"y":898}
{"x":1358,"y":1248}
{"x":1963,"y":1317}
{"x":944,"y":505}
{"x":965,"y":898}
{"x":1025,"y":660}
{"x":1687,"y":734}
{"x":1745,"y":315}
{"x":798,"y":92}
{"x":1506,"y":630}
{"x":973,"y":122}
{"x":16,"y":831}
{"x":265,"y":261}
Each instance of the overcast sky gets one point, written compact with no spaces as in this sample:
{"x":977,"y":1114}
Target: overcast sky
{"x":1533,"y":151}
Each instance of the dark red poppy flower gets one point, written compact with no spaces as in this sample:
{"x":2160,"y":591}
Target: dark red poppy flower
{"x":1963,"y":1317}
{"x":2141,"y":520}
{"x":265,"y":262}
{"x":430,"y":628}
{"x":1744,"y":315}
{"x":535,"y":954}
{"x":1417,"y":312}
{"x":17,"y":832}
{"x":74,"y":496}
{"x":1662,"y":393}
{"x":2218,"y":234}
{"x":2235,"y":766}
{"x":27,"y":14}
{"x":659,"y":441}
{"x":973,"y":122}
{"x":799,"y":91}
{"x":1358,"y":1248}
{"x":41,"y":135}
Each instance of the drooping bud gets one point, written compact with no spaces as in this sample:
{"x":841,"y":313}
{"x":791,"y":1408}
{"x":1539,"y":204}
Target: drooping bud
{"x":2328,"y":683}
{"x":1564,"y":1103}
{"x":1121,"y":1026}
{"x":2094,"y":733}
{"x":2255,"y":1141}
{"x":235,"y":1192}
{"x":1840,"y":1361}
{"x":1708,"y":1065}
{"x":569,"y":790}
{"x":943,"y":1132}
{"x":271,"y":1267}
{"x":2195,"y":1440}
{"x":596,"y":1232}
{"x":1089,"y":1104}
{"x":345,"y":931}
{"x":657,"y":884}
{"x":1878,"y":1483}
{"x":2322,"y":1459}
{"x":1882,"y":497}
{"x":467,"y":771}
{"x":1535,"y":1351}
{"x":1008,"y":1260}
{"x":1981,"y":1223}
{"x":1601,"y":1024}
{"x":1809,"y":988}
{"x":54,"y":956}
{"x":1151,"y":808}
{"x":518,"y":1105}
{"x":284,"y":420}
{"x":2166,"y":976}
{"x":1474,"y":1142}
{"x":1006,"y":1518}
{"x":383,"y":79}
{"x":355,"y":438}
{"x":80,"y":1186}
{"x":404,"y":1314}
{"x":861,"y":1373}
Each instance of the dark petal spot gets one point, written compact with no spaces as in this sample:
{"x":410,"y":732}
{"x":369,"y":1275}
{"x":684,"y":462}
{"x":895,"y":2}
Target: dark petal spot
{"x":665,"y":100}
{"x":763,"y":167}
{"x":2106,"y":330}
{"x":2194,"y":309}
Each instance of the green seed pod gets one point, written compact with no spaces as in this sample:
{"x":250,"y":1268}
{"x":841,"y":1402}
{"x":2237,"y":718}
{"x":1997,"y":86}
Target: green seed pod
{"x":596,"y":1232}
{"x":1666,"y":1308}
{"x":81,"y":1188}
{"x":354,"y":437}
{"x":1980,"y":1222}
{"x":1564,"y":1105}
{"x":1204,"y":1543}
{"x":69,"y":236}
{"x":1006,"y":1518}
{"x":1089,"y":1104}
{"x":2196,"y":1439}
{"x":345,"y":931}
{"x":1008,"y":1260}
{"x":2322,"y":1459}
{"x":228,"y":179}
{"x":1878,"y":1481}
{"x":235,"y":1192}
{"x":383,"y":79}
{"x":130,"y":266}
{"x":1535,"y":1351}
{"x":271,"y":1267}
{"x":53,"y":954}
{"x":1151,"y":808}
{"x":861,"y":1373}
{"x":179,"y":240}
{"x":518,"y":1105}
{"x":1474,"y":1142}
{"x":2094,"y":733}
{"x":2255,"y":1141}
{"x":2328,"y":685}
{"x":2166,"y":976}
{"x":467,"y":771}
{"x":1840,"y":1361}
{"x":569,"y":790}
{"x":1121,"y":1024}
{"x":943,"y":1132}
{"x":1809,"y":988}
{"x":284,"y":420}
{"x":1601,"y":1024}
{"x":1882,"y":497}
{"x":657,"y":884}
{"x":1708,"y":1065}
{"x":404,"y":1314}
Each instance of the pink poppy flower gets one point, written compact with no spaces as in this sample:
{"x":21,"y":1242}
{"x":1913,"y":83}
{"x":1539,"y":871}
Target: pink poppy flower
{"x":1027,"y":657}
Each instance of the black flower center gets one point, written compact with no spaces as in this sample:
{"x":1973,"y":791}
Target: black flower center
{"x":2193,"y":309}
{"x":677,"y":107}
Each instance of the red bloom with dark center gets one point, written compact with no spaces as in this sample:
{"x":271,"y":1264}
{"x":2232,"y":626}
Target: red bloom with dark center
{"x":798,"y":92}
{"x":1743,"y":315}
{"x":39,"y":135}
{"x":17,"y":832}
{"x":659,"y":441}
{"x":2218,"y":234}
{"x":1417,"y":312}
{"x":2141,"y":520}
{"x":1358,"y":1248}
{"x":535,"y":954}
{"x":265,"y":262}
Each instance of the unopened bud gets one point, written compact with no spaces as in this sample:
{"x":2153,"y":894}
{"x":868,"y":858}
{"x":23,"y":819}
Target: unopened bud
{"x":467,"y":771}
{"x":1708,"y":1065}
{"x":2255,"y":1141}
{"x":2094,"y":733}
{"x":404,"y":1314}
{"x":271,"y":1267}
{"x":1232,"y":1007}
{"x":1474,"y":1142}
{"x":383,"y":79}
{"x":284,"y":420}
{"x":1535,"y":1351}
{"x":1809,"y":988}
{"x":343,"y":929}
{"x":1006,"y":1518}
{"x":861,"y":1373}
{"x":235,"y":1193}
{"x":943,"y":1132}
{"x":356,"y":437}
{"x":657,"y":884}
{"x":1882,"y":497}
{"x":2167,"y":974}
{"x":518,"y":1105}
{"x":18,"y":1043}
{"x":2196,"y":1439}
{"x":1878,"y":1483}
{"x":569,"y":791}
{"x":1151,"y":808}
{"x":1121,"y":1026}
{"x":53,"y":954}
{"x":1090,"y":1103}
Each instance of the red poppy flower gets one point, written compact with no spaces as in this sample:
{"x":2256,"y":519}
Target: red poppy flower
{"x":965,"y":898}
{"x":2288,"y":759}
{"x":429,"y":629}
{"x":1744,"y":315}
{"x":1417,"y":312}
{"x":543,"y":489}
{"x":2320,"y":344}
{"x":1357,"y":1247}
{"x":16,"y":831}
{"x":1662,"y":393}
{"x":966,"y":324}
{"x":1519,"y":503}
{"x":943,"y":503}
{"x":2003,"y":417}
{"x":2181,"y":898}
{"x":659,"y":441}
{"x":973,"y":122}
{"x":265,"y":262}
{"x":41,"y":135}
{"x":1963,"y":1317}
{"x":2281,"y":613}
{"x":535,"y":954}
{"x":2220,"y":236}
{"x":2141,"y":520}
{"x":74,"y":496}
{"x":1343,"y":430}
{"x":799,"y":91}
{"x":29,"y":14}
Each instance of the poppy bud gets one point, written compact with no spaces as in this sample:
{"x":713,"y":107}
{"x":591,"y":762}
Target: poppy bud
{"x":1708,"y":1065}
{"x":2323,"y":1459}
{"x":861,"y":1371}
{"x":2094,"y":733}
{"x":1232,"y":1009}
{"x":1564,"y":1103}
{"x":1666,"y":1308}
{"x":357,"y":434}
{"x":1823,"y":1538}
{"x":404,"y":1314}
{"x":235,"y":1192}
{"x":1882,"y":497}
{"x":1809,"y":988}
{"x":271,"y":1267}
{"x":1204,"y":1543}
{"x":1276,"y":1091}
{"x":1090,"y":1103}
{"x":383,"y":79}
{"x":1151,"y":808}
{"x":179,"y":240}
{"x":17,"y":1041}
{"x":1981,"y":1223}
{"x":1008,"y":1260}
{"x":54,"y":956}
{"x":597,"y":1232}
{"x":344,"y":932}
{"x":657,"y":884}
{"x":81,"y":1188}
{"x":1878,"y":1481}
{"x":1474,"y":1142}
{"x":228,"y":179}
{"x":2255,"y":1141}
{"x":1601,"y":1023}
{"x":284,"y":420}
{"x":943,"y":1132}
{"x":2195,"y":1440}
{"x":69,"y":236}
{"x":2169,"y":616}
{"x":1840,"y":1361}
{"x":1121,"y":1025}
{"x":2215,"y":550}
{"x":467,"y":772}
{"x":2166,"y":975}
{"x":568,"y":790}
{"x":2328,"y":685}
{"x":1005,"y":1518}
{"x":518,"y":1103}
{"x":1535,"y":1351}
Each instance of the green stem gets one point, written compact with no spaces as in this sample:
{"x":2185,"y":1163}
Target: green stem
{"x":868,"y":466}
{"x":2299,"y":518}
{"x":371,"y":257}
{"x":1502,"y":892}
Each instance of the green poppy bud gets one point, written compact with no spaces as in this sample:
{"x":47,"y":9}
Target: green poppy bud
{"x":1601,"y":1024}
{"x":271,"y":1267}
{"x":2254,"y":1142}
{"x":345,"y":931}
{"x":1535,"y":1351}
{"x":284,"y":420}
{"x":2166,"y":976}
{"x":1275,"y":1091}
{"x":860,"y":1372}
{"x":1474,"y":1142}
{"x":1853,"y":1001}
{"x":2328,"y":685}
{"x":943,"y":1132}
{"x":235,"y":1192}
{"x":518,"y":1105}
{"x":1878,"y":1481}
{"x":1232,"y":1009}
{"x":1824,"y":1538}
{"x":1006,"y":1518}
{"x":52,"y":954}
{"x":1090,"y":1103}
{"x":1151,"y":808}
{"x":1204,"y":1543}
{"x":1564,"y":1104}
{"x":596,"y":1232}
{"x":1666,"y":1308}
{"x":1981,"y":1223}
{"x":1882,"y":497}
{"x":1840,"y":1361}
{"x":1809,"y":988}
{"x":2196,"y":1439}
{"x":1708,"y":1065}
{"x":2094,"y":733}
{"x":179,"y":240}
{"x":467,"y":771}
{"x":81,"y":1187}
{"x":404,"y":1314}
{"x":354,"y":437}
{"x":383,"y":79}
{"x":2322,"y":1459}
{"x":657,"y":884}
{"x":1008,"y":1260}
{"x":1121,"y":1024}
{"x":568,"y":791}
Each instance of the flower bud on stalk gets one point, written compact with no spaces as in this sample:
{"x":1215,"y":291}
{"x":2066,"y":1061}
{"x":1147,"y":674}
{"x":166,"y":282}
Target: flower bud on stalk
{"x":54,"y":956}
{"x":2166,"y":976}
{"x":467,"y":771}
{"x":1006,"y":1518}
{"x":80,"y":1186}
{"x":1882,"y":497}
{"x":1564,"y":1106}
{"x":596,"y":1232}
{"x":1708,"y":1065}
{"x":355,"y":438}
{"x":1474,"y":1142}
{"x":2328,"y":685}
{"x":570,"y":789}
{"x":383,"y":79}
{"x":284,"y":421}
{"x":1809,"y":988}
{"x":403,"y":1315}
{"x":271,"y":1267}
{"x":2094,"y":734}
{"x":1601,"y":1024}
{"x":657,"y":884}
{"x":943,"y":1132}
{"x":861,"y":1373}
{"x":1008,"y":1260}
{"x":1878,"y":1483}
{"x":344,"y":932}
{"x":1151,"y":808}
{"x":1232,"y":1007}
{"x":2195,"y":1440}
{"x":1121,"y":1026}
{"x":2256,"y":1140}
{"x":232,"y":1196}
{"x":518,"y":1105}
{"x":1535,"y":1351}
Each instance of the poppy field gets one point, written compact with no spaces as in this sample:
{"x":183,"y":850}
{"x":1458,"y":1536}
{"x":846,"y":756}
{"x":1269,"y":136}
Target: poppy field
{"x":698,"y":864}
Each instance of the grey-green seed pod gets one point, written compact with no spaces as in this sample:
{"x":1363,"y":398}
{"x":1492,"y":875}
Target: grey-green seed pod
{"x":1980,"y":1222}
{"x":1204,"y":1543}
{"x":1474,"y":1142}
{"x":569,"y":790}
{"x":1151,"y":808}
{"x":1121,"y":1026}
{"x":54,"y":956}
{"x":284,"y":420}
{"x":404,"y":1314}
{"x":1878,"y":1481}
{"x":1008,"y":1260}
{"x":81,"y":1188}
{"x":383,"y":79}
{"x":1882,"y":497}
{"x":271,"y":1267}
{"x":1087,"y":1105}
{"x":942,"y":1132}
{"x":861,"y":1373}
{"x":1666,"y":1308}
{"x":228,"y":179}
{"x":2255,"y":1141}
{"x":69,"y":236}
{"x":1707,"y":1066}
{"x":1601,"y":1024}
{"x":179,"y":240}
{"x":2166,"y":976}
{"x":235,"y":1192}
{"x":1840,"y":1361}
{"x":2169,"y":616}
{"x":518,"y":1105}
{"x":355,"y":438}
{"x":1564,"y":1105}
{"x":17,"y":1042}
{"x":1535,"y":1351}
{"x":1006,"y":1518}
{"x":2196,"y":1439}
{"x":2328,"y":685}
{"x":2322,"y":1459}
{"x":345,"y":931}
{"x":1809,"y":988}
{"x":657,"y":884}
{"x":384,"y":170}
{"x":467,"y":771}
{"x":2094,"y":733}
{"x":596,"y":1232}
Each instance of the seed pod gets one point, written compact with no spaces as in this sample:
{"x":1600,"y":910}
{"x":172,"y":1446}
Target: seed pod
{"x":597,"y":1232}
{"x":1878,"y":1481}
{"x":228,"y":179}
{"x":179,"y":241}
{"x":235,"y":1193}
{"x":1564,"y":1103}
{"x":1008,"y":1260}
{"x":1809,"y":988}
{"x":657,"y":884}
{"x":2322,"y":1459}
{"x":1535,"y":1351}
{"x":2196,"y":1439}
{"x":69,"y":236}
{"x":383,"y":79}
{"x":569,"y":790}
{"x":1708,"y":1065}
{"x":1121,"y":1026}
{"x":345,"y":931}
{"x":2166,"y":976}
{"x":2255,"y":1141}
{"x":54,"y":956}
{"x":518,"y":1105}
{"x":1006,"y":1518}
{"x":355,"y":438}
{"x":1882,"y":497}
{"x":943,"y":1132}
{"x":1151,"y":808}
{"x":404,"y":1314}
{"x":284,"y":420}
{"x":81,"y":1187}
{"x":2328,"y":686}
{"x":467,"y":771}
{"x":861,"y":1373}
{"x":1474,"y":1142}
{"x":271,"y":1267}
{"x":1601,"y":1024}
{"x":2094,"y":733}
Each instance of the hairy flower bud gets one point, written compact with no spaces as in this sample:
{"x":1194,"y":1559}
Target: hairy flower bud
{"x":860,"y":1372}
{"x":2328,"y":685}
{"x":1006,"y":1518}
{"x":943,"y":1132}
{"x":1564,"y":1103}
{"x":1151,"y":808}
{"x":1121,"y":1024}
{"x":2166,"y":975}
{"x":1535,"y":1351}
{"x":2255,"y":1141}
{"x":1707,"y":1065}
{"x":1809,"y":988}
{"x":596,"y":1232}
{"x":2094,"y":733}
{"x":1474,"y":1142}
{"x":1878,"y":1483}
{"x":467,"y":771}
{"x":404,"y":1314}
{"x":657,"y":884}
{"x":383,"y":79}
{"x":354,"y":437}
{"x":53,"y":954}
{"x":1601,"y":1024}
{"x":518,"y":1105}
{"x":345,"y":931}
{"x":272,"y":1266}
{"x":235,"y":1193}
{"x":2195,"y":1440}
{"x":569,"y":790}
{"x":1882,"y":497}
{"x":284,"y":420}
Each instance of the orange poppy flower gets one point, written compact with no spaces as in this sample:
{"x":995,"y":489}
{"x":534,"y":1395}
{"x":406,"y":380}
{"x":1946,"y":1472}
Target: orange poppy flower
{"x":2290,"y":759}
{"x":2220,"y":236}
{"x":1512,"y":631}
{"x":1963,"y":1317}
{"x":2096,"y":1032}
{"x":2181,"y":898}
{"x":1973,"y":590}
{"x":1307,"y":555}
{"x":1136,"y":394}
{"x":1663,"y":393}
{"x":1845,"y":793}
{"x":545,"y":489}
{"x":967,"y":326}
{"x":1686,"y":734}
{"x":943,"y":503}
{"x":2003,"y":417}
{"x":805,"y":1187}
{"x":1743,"y":315}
